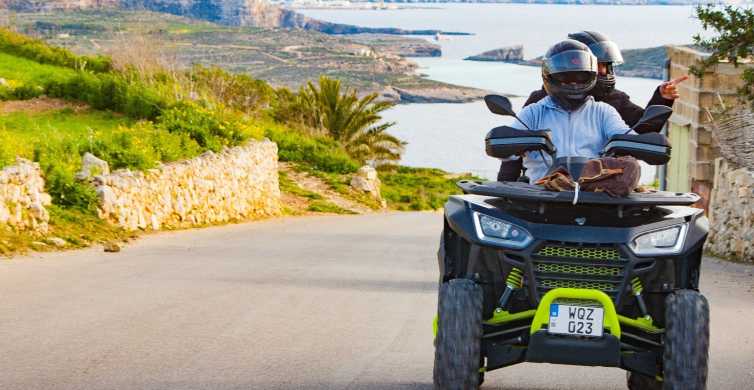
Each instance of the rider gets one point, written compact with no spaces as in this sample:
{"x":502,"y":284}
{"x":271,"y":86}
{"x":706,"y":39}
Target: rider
{"x":580,"y":125}
{"x":609,"y":56}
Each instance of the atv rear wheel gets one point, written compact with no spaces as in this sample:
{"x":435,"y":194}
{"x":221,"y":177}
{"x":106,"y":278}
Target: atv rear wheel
{"x":638,"y":381}
{"x":459,"y":336}
{"x":686,"y":341}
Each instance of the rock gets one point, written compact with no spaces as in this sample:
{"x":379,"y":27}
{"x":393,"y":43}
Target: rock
{"x":92,"y":166}
{"x":112,"y":246}
{"x":513,"y":54}
{"x":57,"y":242}
{"x":440,"y":95}
{"x":366,"y":180}
{"x":38,"y":245}
{"x":4,"y":213}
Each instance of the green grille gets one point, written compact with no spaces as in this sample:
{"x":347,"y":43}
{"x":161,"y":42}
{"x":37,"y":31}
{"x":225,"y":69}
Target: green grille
{"x":578,"y":269}
{"x":593,"y":285}
{"x":579,"y":253}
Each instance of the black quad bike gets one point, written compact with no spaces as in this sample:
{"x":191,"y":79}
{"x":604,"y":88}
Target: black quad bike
{"x":529,"y":275}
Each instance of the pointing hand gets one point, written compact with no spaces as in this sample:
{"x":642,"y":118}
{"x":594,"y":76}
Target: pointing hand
{"x":668,"y":89}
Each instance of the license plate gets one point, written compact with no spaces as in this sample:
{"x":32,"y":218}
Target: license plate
{"x":576,"y":320}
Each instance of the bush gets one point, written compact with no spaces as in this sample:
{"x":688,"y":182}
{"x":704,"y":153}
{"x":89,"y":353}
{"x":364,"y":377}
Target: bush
{"x":142,"y":147}
{"x":109,"y":92}
{"x":239,"y":92}
{"x":320,"y":153}
{"x":35,"y":49}
{"x":211,"y":129}
{"x":406,"y":188}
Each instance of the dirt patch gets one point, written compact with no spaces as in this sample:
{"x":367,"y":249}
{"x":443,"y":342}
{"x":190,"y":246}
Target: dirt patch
{"x":40,"y":104}
{"x":317,"y":185}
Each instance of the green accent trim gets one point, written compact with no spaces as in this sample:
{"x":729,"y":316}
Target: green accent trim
{"x":542,"y":316}
{"x":637,"y":286}
{"x":483,"y":369}
{"x":434,"y":324}
{"x":515,"y":278}
{"x":644,"y":323}
{"x":500,"y":317}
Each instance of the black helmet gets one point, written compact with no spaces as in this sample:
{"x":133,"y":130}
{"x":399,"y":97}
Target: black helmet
{"x":607,"y":52}
{"x":569,"y":72}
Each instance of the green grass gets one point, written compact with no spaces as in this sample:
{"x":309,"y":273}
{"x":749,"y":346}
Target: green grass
{"x":323,"y":206}
{"x":78,"y":228}
{"x":290,"y":187}
{"x":19,"y":69}
{"x":406,"y":188}
{"x":23,"y":133}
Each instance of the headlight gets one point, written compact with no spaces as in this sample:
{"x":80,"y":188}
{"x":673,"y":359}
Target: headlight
{"x":499,"y":232}
{"x":668,"y":241}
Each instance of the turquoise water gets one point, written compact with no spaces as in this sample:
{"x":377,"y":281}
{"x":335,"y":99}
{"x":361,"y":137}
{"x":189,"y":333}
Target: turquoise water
{"x":451,"y":136}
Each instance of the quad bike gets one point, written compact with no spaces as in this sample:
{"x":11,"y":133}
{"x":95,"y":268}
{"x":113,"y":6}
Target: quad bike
{"x":529,"y":275}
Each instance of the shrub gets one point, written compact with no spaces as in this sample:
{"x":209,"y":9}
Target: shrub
{"x":141,"y":147}
{"x":320,"y":153}
{"x":211,"y":129}
{"x":109,"y":92}
{"x":37,"y":50}
{"x":406,"y":188}
{"x":239,"y":92}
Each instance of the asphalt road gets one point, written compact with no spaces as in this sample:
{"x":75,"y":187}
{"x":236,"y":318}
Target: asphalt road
{"x":300,"y":303}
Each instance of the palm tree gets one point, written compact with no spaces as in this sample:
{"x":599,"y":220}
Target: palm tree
{"x":351,"y":121}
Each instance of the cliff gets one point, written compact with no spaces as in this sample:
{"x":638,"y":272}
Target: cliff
{"x":513,"y":54}
{"x":256,"y":13}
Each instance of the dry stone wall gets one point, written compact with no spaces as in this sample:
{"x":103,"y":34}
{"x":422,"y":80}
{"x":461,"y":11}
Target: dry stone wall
{"x":236,"y":184}
{"x":23,"y":198}
{"x":732,"y":213}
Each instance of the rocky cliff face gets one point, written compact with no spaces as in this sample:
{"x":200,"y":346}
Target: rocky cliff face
{"x":504,"y":54}
{"x":231,"y":12}
{"x":258,"y":13}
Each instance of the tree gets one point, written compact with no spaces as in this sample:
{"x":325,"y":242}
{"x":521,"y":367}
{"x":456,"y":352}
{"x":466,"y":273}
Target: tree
{"x":733,"y":41}
{"x":352,"y":121}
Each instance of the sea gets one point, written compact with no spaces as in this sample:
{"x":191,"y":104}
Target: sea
{"x":451,"y":136}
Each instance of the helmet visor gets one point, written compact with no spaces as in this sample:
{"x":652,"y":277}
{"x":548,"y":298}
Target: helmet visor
{"x":607,"y":51}
{"x":571,"y":61}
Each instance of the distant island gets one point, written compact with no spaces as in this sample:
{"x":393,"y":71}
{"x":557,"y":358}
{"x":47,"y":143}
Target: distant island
{"x":646,"y":62}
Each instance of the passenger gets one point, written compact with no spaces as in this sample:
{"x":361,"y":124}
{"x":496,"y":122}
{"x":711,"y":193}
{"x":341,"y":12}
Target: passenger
{"x":609,"y":56}
{"x":580,"y":125}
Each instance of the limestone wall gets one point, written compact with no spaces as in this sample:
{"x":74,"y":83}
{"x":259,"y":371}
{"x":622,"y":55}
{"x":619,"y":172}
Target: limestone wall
{"x":732,"y":213}
{"x":236,"y":184}
{"x":23,"y":198}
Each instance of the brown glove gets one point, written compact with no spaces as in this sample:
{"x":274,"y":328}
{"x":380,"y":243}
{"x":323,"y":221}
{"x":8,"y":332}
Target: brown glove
{"x":618,"y":176}
{"x":559,"y":180}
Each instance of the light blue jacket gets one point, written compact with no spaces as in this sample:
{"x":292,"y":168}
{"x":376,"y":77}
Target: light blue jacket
{"x":583,"y":132}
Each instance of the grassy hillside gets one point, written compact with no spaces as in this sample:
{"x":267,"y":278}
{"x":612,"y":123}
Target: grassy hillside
{"x":54,"y":108}
{"x":283,"y":57}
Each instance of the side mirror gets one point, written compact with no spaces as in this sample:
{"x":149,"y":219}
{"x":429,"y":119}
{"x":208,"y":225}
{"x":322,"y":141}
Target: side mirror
{"x":654,"y":116}
{"x":652,"y":148}
{"x":500,"y":105}
{"x":504,"y":141}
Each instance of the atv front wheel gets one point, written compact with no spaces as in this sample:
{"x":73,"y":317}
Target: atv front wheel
{"x":638,"y":381}
{"x":686,"y":341}
{"x":459,"y":336}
